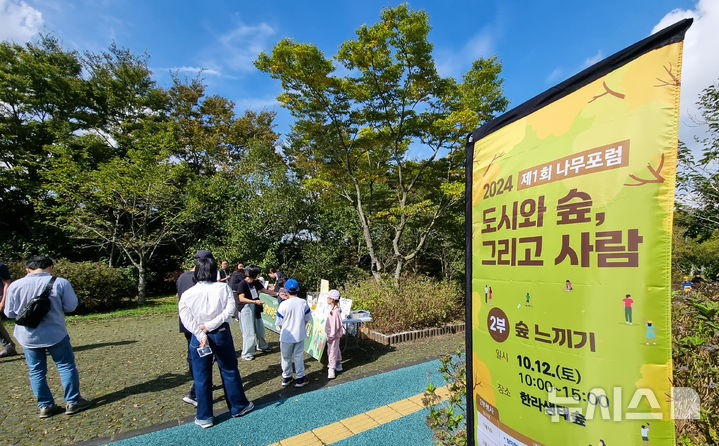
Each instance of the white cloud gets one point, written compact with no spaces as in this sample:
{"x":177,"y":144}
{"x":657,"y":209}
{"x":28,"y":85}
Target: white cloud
{"x":239,"y":48}
{"x":700,"y":64}
{"x":198,"y":70}
{"x":19,"y":22}
{"x":269,"y":102}
{"x":592,"y":60}
{"x":455,"y":63}
{"x":555,"y":76}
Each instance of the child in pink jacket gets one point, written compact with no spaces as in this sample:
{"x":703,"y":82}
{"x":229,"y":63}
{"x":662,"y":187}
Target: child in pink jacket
{"x":334,"y":330}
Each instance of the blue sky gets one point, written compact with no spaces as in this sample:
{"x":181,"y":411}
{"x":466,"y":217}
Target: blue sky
{"x":539,"y":43}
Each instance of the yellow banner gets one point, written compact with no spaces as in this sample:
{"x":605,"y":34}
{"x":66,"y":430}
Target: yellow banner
{"x":571,"y":224}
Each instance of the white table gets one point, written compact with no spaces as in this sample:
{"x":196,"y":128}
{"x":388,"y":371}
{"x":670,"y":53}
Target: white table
{"x":352,"y":327}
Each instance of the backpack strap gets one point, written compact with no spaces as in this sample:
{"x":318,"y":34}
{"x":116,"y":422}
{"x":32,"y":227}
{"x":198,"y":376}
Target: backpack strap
{"x":46,"y":293}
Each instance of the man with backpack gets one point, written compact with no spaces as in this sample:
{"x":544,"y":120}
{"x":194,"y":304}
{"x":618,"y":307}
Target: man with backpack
{"x":49,"y":336}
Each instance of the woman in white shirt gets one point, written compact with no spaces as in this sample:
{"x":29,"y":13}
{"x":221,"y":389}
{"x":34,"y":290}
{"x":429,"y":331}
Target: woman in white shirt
{"x":205,"y":310}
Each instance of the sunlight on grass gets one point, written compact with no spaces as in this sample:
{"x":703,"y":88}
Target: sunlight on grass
{"x":152,"y":306}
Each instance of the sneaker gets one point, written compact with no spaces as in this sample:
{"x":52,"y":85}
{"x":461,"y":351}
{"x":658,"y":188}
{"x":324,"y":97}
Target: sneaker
{"x":204,"y":423}
{"x":263,"y":350}
{"x":338,"y":367}
{"x":301,"y":382}
{"x":48,"y":411}
{"x":286,"y":381}
{"x":77,"y":406}
{"x":248,"y":408}
{"x":330,"y":373}
{"x":8,"y":351}
{"x":189,"y":400}
{"x":248,"y":358}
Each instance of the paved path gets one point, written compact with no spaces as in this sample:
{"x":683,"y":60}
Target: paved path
{"x":380,"y":409}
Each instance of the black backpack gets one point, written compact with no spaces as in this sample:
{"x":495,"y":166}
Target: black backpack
{"x":35,"y":310}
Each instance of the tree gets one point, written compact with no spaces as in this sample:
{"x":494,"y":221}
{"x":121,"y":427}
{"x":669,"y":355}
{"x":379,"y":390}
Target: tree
{"x":360,"y":136}
{"x":699,"y":179}
{"x":42,"y":98}
{"x":135,"y":203}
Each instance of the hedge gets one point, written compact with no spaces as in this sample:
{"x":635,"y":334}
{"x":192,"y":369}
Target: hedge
{"x":98,"y":287}
{"x":419,"y":302}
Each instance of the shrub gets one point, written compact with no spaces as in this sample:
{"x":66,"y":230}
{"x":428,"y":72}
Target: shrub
{"x":695,"y":334}
{"x":98,"y":287}
{"x":448,"y":419}
{"x":419,"y":302}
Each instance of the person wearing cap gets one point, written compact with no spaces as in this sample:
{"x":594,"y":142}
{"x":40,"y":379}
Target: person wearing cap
{"x":334,"y":330}
{"x":292,"y":317}
{"x":206,"y":310}
{"x":250,"y":314}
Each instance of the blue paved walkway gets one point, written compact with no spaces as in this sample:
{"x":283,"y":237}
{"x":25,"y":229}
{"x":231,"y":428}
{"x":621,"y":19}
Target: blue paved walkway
{"x":286,"y":418}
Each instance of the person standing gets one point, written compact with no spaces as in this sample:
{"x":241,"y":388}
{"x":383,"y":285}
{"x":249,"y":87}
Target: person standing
{"x":250,"y":314}
{"x":206,"y":310}
{"x":184,"y":283}
{"x":334,"y":330}
{"x":645,"y":434}
{"x":8,"y":346}
{"x":651,"y":336}
{"x":292,"y":317}
{"x":50,"y":336}
{"x":628,"y":302}
{"x":279,"y":277}
{"x":224,"y":271}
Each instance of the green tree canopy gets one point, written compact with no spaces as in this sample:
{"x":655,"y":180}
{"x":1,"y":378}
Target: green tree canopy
{"x":388,"y":136}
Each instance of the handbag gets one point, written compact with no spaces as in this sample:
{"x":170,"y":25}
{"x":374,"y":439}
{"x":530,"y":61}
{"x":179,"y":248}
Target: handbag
{"x":33,"y":313}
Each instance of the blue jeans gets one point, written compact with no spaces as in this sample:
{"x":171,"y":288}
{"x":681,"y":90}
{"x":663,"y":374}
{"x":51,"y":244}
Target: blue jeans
{"x":223,"y":348}
{"x":61,"y":353}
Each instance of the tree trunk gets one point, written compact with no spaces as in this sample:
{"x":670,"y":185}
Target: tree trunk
{"x":141,"y":282}
{"x":398,"y":271}
{"x":114,"y":239}
{"x":375,"y":265}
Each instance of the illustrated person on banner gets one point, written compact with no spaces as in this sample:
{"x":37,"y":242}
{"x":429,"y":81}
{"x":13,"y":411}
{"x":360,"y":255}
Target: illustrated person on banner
{"x":50,"y":336}
{"x":628,"y":302}
{"x":651,"y":336}
{"x":645,"y":434}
